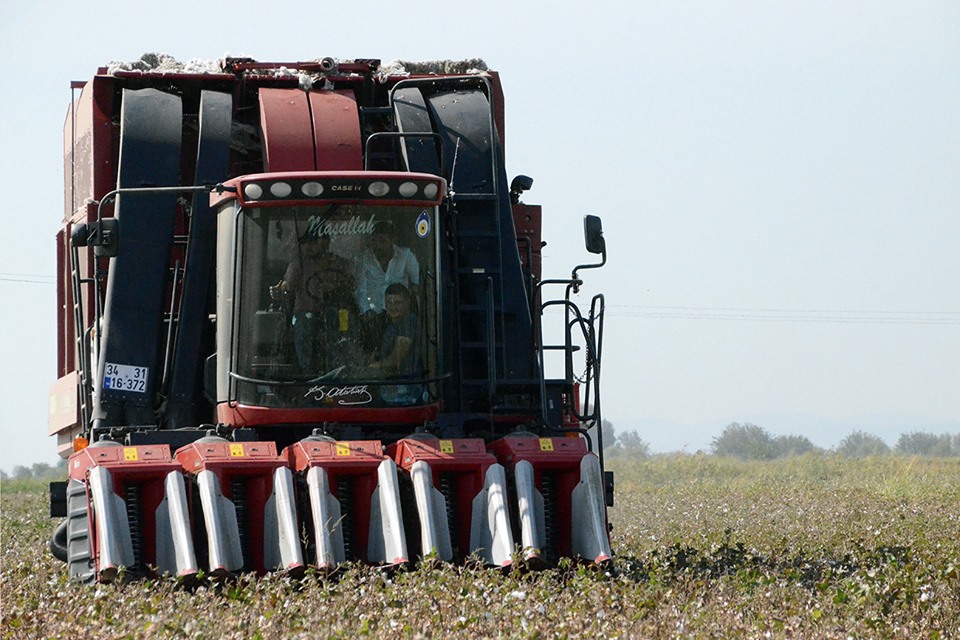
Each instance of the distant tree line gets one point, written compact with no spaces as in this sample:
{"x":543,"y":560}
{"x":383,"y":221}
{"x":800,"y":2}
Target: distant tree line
{"x":37,"y":470}
{"x":628,"y":444}
{"x":751,"y":442}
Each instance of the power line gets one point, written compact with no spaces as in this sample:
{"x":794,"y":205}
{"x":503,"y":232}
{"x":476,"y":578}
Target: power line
{"x":688,"y":312}
{"x":30,"y":278}
{"x":775,"y":310}
{"x":749,"y":314}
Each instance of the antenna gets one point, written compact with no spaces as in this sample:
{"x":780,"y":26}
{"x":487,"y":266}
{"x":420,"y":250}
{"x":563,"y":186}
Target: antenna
{"x":453,"y":168}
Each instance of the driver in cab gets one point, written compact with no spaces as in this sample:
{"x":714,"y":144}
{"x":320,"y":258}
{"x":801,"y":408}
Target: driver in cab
{"x":318,"y":291}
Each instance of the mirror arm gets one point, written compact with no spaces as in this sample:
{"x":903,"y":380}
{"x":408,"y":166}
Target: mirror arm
{"x":596,"y":265}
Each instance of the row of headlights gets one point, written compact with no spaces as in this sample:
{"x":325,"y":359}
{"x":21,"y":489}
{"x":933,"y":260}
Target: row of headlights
{"x":314,"y":189}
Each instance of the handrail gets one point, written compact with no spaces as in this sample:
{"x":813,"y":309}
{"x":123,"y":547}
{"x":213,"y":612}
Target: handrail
{"x":491,"y":340}
{"x":438,"y":143}
{"x":111,"y":195}
{"x":569,"y":306}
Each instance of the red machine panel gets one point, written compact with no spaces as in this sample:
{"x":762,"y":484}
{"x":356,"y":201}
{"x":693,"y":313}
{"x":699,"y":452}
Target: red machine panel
{"x":527,"y":219}
{"x":286,"y":130}
{"x":228,"y":458}
{"x":123,"y":462}
{"x":336,"y":130}
{"x":352,"y":456}
{"x":444,"y":456}
{"x":547,"y":453}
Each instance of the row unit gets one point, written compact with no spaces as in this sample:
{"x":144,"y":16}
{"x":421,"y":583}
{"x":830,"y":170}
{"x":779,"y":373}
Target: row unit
{"x":227,"y":507}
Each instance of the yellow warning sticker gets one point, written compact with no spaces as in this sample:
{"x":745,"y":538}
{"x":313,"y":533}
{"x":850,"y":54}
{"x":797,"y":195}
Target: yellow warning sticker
{"x":446,"y":446}
{"x":236,"y":450}
{"x":343,"y":448}
{"x":546,"y":444}
{"x":130,"y":453}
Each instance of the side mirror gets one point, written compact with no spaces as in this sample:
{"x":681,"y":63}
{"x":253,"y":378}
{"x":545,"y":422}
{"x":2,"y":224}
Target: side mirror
{"x":518,"y":185}
{"x":593,"y":234}
{"x":79,"y":234}
{"x":106,"y":239}
{"x":103,"y":235}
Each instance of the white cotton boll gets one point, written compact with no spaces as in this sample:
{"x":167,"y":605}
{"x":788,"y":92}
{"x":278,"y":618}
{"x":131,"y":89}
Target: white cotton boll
{"x":199,"y":65}
{"x":392,"y":68}
{"x":306,"y":81}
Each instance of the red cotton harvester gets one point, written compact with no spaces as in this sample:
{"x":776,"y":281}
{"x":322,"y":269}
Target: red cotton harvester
{"x":301,"y":324}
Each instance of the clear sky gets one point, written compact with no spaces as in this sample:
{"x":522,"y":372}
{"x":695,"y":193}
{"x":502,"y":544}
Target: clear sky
{"x":779,"y":182}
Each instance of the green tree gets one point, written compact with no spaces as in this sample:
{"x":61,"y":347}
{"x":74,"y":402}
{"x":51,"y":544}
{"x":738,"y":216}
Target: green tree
{"x":609,"y":436}
{"x":860,"y":444}
{"x":633,"y":445}
{"x":919,"y":443}
{"x":41,"y":470}
{"x":746,"y":441}
{"x":792,"y":445}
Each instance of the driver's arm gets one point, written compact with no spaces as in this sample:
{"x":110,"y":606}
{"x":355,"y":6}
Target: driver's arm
{"x":391,"y":364}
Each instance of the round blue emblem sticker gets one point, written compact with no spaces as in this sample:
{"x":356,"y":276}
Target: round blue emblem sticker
{"x":423,"y":224}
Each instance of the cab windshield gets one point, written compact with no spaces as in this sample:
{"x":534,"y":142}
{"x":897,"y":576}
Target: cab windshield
{"x":337,"y":306}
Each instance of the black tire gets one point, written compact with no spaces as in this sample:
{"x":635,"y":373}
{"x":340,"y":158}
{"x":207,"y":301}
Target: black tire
{"x":58,"y":543}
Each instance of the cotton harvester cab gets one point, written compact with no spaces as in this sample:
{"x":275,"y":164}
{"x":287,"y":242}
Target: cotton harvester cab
{"x":300,"y":324}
